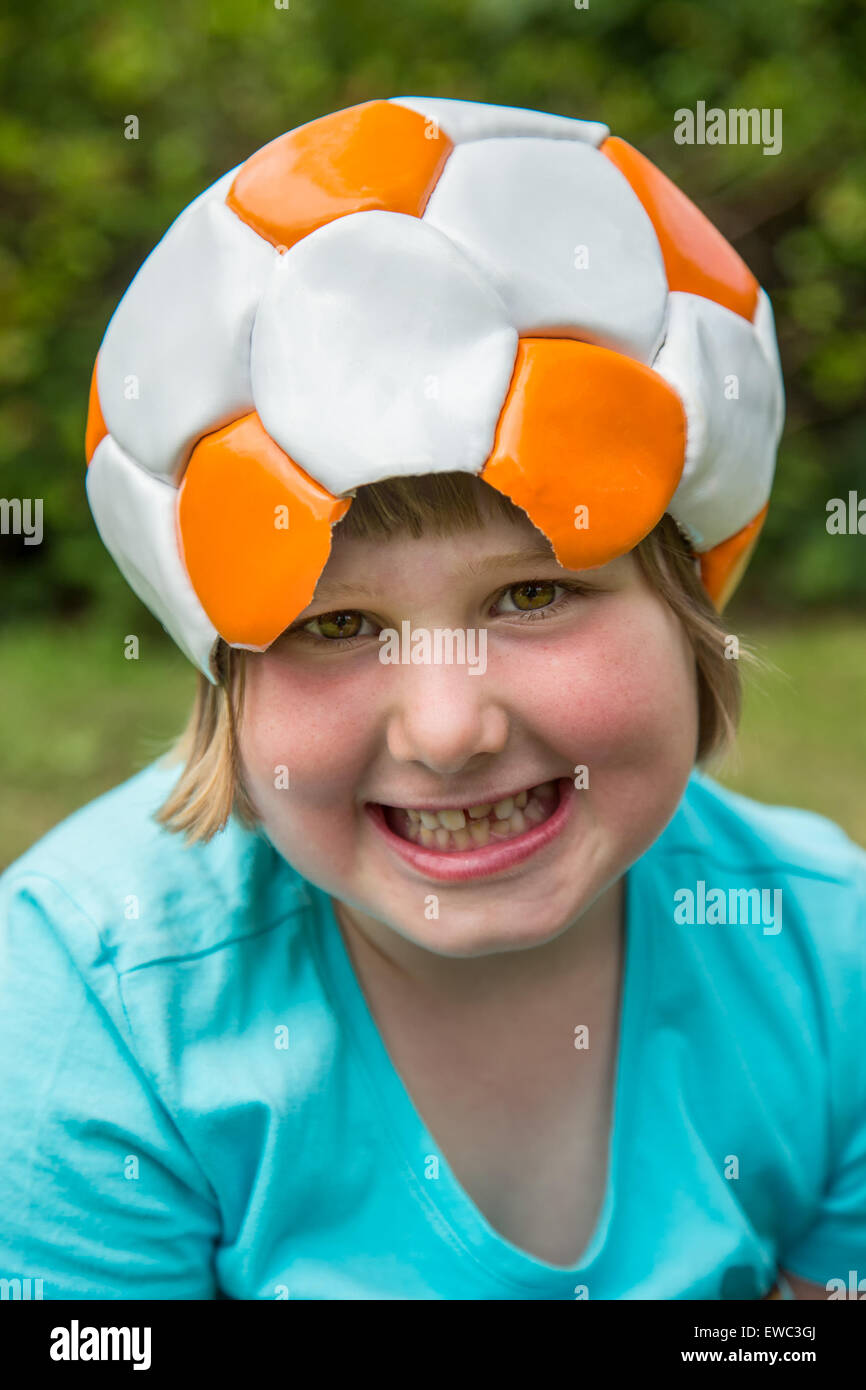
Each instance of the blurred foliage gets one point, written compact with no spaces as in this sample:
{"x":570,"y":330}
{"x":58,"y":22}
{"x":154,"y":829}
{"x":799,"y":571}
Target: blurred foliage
{"x":83,"y":206}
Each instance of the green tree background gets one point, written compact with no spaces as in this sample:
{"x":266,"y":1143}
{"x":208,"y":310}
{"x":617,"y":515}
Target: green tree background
{"x":82,"y":207}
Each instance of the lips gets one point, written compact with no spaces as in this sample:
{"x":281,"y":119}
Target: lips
{"x":503,"y":851}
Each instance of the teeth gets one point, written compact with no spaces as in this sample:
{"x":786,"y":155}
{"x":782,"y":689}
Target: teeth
{"x":461,"y":829}
{"x":480,"y":831}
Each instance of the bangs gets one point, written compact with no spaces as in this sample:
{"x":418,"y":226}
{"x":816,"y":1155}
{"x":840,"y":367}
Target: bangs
{"x":439,"y":504}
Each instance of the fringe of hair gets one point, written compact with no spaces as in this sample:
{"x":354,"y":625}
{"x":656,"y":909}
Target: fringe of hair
{"x":210,"y":788}
{"x":668,"y":562}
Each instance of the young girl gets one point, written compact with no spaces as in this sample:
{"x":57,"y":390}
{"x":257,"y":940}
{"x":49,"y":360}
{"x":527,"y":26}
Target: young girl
{"x":433,"y":968}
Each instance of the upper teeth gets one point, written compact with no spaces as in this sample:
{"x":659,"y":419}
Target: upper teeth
{"x":455,"y":818}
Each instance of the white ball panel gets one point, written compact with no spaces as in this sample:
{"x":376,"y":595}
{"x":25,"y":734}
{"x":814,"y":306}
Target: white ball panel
{"x":180,"y":335}
{"x":709,"y":354}
{"x":522,"y":209}
{"x":479,"y":120}
{"x":765,"y":328}
{"x":378,"y":350}
{"x":135,"y":517}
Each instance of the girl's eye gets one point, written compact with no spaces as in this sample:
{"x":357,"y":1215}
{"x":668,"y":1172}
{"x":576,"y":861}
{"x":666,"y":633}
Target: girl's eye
{"x":536,"y":595}
{"x":333,"y":626}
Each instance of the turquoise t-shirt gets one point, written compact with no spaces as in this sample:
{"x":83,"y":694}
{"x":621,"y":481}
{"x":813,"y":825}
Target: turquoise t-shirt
{"x":196,"y":1102}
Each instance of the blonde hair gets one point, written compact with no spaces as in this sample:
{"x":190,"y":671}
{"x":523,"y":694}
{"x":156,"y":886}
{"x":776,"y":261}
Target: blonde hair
{"x":210,"y":788}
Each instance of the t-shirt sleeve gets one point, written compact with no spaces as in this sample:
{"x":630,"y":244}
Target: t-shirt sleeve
{"x":835,"y":1242}
{"x":99,"y":1195}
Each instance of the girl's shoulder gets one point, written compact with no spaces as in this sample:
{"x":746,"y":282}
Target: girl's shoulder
{"x":781,"y":887}
{"x":110,"y":872}
{"x":749,"y":835}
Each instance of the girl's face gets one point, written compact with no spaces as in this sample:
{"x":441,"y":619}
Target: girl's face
{"x":578,"y":684}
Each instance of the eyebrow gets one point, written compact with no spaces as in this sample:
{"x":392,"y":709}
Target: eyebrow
{"x":534,"y":555}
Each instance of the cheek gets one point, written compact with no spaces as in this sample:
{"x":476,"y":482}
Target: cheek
{"x":627,"y":708}
{"x":624,"y":691}
{"x":319,"y":724}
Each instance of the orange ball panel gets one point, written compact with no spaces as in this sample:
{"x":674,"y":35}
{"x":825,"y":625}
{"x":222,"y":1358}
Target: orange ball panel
{"x":697,"y":257}
{"x":96,"y":428}
{"x":583,"y":426}
{"x":722,"y":567}
{"x":252,"y":576}
{"x":371,"y":156}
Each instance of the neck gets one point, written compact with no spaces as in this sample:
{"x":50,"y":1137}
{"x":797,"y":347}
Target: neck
{"x":574,"y":953}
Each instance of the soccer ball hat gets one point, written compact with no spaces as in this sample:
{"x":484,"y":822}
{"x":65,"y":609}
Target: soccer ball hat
{"x":418,"y":285}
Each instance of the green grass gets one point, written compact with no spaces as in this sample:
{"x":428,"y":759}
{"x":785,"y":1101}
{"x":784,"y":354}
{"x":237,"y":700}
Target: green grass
{"x":803,"y":734}
{"x":79,"y":718}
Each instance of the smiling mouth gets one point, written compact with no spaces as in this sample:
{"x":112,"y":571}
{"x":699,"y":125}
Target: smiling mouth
{"x":474,"y":827}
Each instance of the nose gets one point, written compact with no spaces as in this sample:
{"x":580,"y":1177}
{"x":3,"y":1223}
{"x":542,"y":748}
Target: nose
{"x":443,"y":717}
